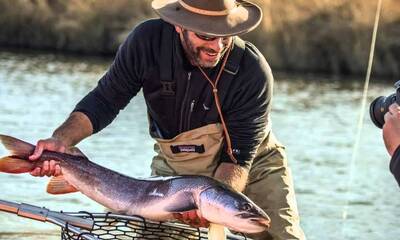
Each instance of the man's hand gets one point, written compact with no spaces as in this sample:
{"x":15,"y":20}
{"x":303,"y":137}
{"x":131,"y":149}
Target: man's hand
{"x":232,"y":175}
{"x":391,"y":128}
{"x":50,"y":168}
{"x":76,"y":128}
{"x":192,"y":218}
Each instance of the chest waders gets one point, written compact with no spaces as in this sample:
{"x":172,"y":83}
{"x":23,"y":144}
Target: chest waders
{"x":193,"y":152}
{"x":198,"y":152}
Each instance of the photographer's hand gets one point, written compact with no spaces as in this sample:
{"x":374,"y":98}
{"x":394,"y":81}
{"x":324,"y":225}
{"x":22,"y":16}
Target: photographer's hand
{"x":391,"y":128}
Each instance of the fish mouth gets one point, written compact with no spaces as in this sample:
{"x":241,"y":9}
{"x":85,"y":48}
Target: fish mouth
{"x":262,"y":222}
{"x":256,"y":219}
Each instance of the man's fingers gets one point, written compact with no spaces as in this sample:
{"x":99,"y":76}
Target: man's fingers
{"x":35,"y":172}
{"x":57,"y":170}
{"x":52,"y":168}
{"x":49,"y":168}
{"x":50,"y":144}
{"x":45,"y":168}
{"x":37,"y":153}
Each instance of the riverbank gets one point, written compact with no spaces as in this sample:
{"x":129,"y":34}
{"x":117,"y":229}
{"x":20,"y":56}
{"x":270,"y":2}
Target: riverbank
{"x":331,"y":37}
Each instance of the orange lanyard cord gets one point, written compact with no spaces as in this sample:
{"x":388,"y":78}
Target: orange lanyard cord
{"x":218,"y":104}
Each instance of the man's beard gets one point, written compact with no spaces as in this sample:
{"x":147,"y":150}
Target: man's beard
{"x":193,"y":53}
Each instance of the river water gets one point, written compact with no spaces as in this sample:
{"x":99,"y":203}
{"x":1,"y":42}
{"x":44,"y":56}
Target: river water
{"x":315,"y":117}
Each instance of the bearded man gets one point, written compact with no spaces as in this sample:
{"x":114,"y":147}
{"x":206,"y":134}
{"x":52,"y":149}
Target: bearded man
{"x":208,"y":95}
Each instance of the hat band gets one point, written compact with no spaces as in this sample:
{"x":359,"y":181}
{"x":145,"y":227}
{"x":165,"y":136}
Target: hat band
{"x":204,"y":12}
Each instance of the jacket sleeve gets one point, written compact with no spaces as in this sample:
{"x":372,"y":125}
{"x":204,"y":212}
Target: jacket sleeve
{"x":248,"y":117}
{"x":395,"y":165}
{"x":118,"y":86}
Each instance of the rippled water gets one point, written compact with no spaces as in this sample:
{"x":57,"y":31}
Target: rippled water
{"x":315,"y":117}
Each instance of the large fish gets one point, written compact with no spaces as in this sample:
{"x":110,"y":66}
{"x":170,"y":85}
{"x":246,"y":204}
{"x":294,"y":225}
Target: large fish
{"x":153,"y":198}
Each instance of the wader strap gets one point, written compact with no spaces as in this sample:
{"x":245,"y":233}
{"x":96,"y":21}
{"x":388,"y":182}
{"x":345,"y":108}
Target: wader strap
{"x":166,"y":78}
{"x":167,"y":60}
{"x":233,"y":63}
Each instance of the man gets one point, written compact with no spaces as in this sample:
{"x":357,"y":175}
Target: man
{"x":391,"y":137}
{"x":208,"y":96}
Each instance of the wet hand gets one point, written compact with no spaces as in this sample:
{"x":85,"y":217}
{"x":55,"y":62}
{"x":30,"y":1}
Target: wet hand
{"x":391,"y":128}
{"x":192,"y":218}
{"x":50,"y":168}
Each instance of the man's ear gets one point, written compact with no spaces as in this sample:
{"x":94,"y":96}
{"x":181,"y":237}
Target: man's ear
{"x":178,"y":29}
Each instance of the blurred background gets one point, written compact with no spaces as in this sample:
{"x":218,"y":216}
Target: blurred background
{"x":52,"y":52}
{"x":295,"y":35}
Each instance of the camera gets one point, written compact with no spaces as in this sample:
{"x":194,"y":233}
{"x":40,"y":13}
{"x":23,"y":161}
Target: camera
{"x":381,"y":104}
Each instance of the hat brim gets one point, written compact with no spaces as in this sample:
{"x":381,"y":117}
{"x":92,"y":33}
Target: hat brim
{"x":242,"y":19}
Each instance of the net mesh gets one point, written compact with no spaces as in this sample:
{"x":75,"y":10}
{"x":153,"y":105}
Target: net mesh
{"x":114,"y":226}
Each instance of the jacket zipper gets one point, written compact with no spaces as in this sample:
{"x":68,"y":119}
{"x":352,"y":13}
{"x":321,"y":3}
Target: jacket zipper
{"x":189,"y":75}
{"x":190,"y":114}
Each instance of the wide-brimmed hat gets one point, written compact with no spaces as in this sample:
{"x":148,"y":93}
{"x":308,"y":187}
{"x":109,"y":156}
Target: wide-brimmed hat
{"x":210,"y":17}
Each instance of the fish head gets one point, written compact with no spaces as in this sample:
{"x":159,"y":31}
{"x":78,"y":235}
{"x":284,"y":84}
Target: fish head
{"x":222,"y":205}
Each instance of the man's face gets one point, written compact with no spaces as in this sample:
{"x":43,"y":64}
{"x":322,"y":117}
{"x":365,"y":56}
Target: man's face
{"x":201,"y":50}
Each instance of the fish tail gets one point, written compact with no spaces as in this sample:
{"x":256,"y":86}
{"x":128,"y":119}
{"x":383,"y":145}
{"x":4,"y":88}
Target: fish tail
{"x":20,"y":151}
{"x":14,"y":164}
{"x":17,"y":147}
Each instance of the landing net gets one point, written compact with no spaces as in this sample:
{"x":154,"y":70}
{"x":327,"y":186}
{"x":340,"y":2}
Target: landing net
{"x":114,"y":226}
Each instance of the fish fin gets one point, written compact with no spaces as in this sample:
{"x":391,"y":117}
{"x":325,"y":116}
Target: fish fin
{"x":183,"y":202}
{"x":17,"y":147}
{"x":216,"y":232}
{"x":58,"y":185}
{"x":13,"y":164}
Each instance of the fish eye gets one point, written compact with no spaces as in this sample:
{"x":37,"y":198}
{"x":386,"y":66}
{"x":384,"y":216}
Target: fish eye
{"x":246,"y":207}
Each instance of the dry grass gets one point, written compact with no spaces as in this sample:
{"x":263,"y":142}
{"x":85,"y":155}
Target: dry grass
{"x":331,"y":36}
{"x":85,"y":26}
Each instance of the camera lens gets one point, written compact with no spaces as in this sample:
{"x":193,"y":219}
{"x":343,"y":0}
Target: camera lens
{"x":379,"y":107}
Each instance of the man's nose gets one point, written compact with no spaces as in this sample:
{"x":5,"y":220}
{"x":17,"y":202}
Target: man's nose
{"x":217,"y":44}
